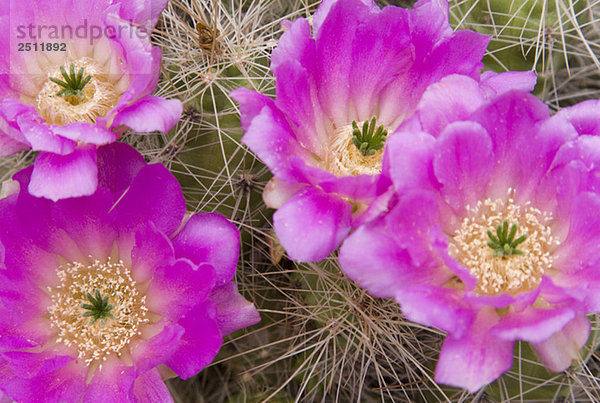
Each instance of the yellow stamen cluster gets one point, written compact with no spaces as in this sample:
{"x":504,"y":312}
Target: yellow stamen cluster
{"x":346,"y":159}
{"x":99,"y":96}
{"x":96,"y":341}
{"x":511,"y":274}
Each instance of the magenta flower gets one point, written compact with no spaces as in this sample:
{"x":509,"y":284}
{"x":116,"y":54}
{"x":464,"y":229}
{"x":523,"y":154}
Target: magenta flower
{"x":493,"y":232}
{"x":73,"y":76}
{"x":340,"y":91}
{"x":103,"y":296}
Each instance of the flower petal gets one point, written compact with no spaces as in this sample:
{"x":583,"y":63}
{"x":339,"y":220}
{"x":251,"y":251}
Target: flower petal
{"x":118,"y":164}
{"x":9,"y":146}
{"x":268,"y":134}
{"x":295,"y":44}
{"x":210,"y":238}
{"x":498,"y":83}
{"x":85,"y":133}
{"x":30,"y":365}
{"x":37,"y":223}
{"x":67,"y":384}
{"x":463,"y":163}
{"x":549,"y":140}
{"x":559,"y":350}
{"x":42,"y":138}
{"x":381,"y":52}
{"x":152,"y":249}
{"x":357,"y":187}
{"x":150,"y":388}
{"x":154,"y":195}
{"x":277,"y":192}
{"x":150,"y":113}
{"x":251,"y":104}
{"x":431,"y":65}
{"x":430,"y":23}
{"x":411,"y":157}
{"x":177,"y":288}
{"x":293,"y":62}
{"x":451,"y":99}
{"x":234,"y":312}
{"x":325,"y":7}
{"x":85,"y":221}
{"x":510,"y":120}
{"x":459,"y":54}
{"x":312,"y":224}
{"x":147,"y":354}
{"x":436,"y":306}
{"x":475,"y":359}
{"x":533,"y":324}
{"x":21,"y":255}
{"x":411,"y":222}
{"x":200,"y":342}
{"x":60,"y":176}
{"x":112,"y":383}
{"x":583,"y":117}
{"x":334,"y":49}
{"x":296,"y":98}
{"x":372,"y":258}
{"x":574,"y":253}
{"x":143,"y":12}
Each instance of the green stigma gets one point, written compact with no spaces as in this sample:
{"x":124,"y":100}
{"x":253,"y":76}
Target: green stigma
{"x":368,"y":141}
{"x":504,"y":243}
{"x":73,"y":83}
{"x":99,"y":308}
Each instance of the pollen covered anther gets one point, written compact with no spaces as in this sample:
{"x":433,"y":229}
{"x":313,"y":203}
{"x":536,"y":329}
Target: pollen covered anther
{"x":494,"y":258}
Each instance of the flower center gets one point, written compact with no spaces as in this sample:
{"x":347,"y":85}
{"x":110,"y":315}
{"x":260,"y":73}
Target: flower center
{"x":504,"y":243}
{"x":72,"y":85}
{"x":99,"y":308}
{"x":507,"y":247}
{"x":368,"y":141}
{"x":79,"y":91}
{"x":357,"y":149}
{"x":96,"y":308}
